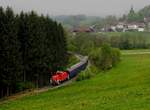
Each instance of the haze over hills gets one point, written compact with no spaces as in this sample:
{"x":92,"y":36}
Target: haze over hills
{"x":132,"y":15}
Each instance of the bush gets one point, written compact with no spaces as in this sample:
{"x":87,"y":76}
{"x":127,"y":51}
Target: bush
{"x":94,"y":56}
{"x":72,"y":60}
{"x":115,"y":56}
{"x":24,"y":86}
{"x":88,"y":73}
{"x":105,"y":57}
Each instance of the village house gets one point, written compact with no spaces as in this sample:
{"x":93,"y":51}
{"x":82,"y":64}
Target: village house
{"x":108,"y":29}
{"x":123,"y":27}
{"x":140,"y":27}
{"x":82,"y":30}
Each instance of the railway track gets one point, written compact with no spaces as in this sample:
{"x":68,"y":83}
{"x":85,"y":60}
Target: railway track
{"x":39,"y":90}
{"x":35,"y":91}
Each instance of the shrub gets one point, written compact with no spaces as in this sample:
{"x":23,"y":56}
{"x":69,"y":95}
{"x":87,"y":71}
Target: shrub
{"x":24,"y":86}
{"x":94,"y":56}
{"x":72,"y":60}
{"x":105,"y":57}
{"x":115,"y":56}
{"x":88,"y":73}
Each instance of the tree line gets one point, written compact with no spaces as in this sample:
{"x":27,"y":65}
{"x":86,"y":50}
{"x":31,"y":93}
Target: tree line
{"x":32,"y":48}
{"x":101,"y":52}
{"x":138,"y":16}
{"x":128,"y":40}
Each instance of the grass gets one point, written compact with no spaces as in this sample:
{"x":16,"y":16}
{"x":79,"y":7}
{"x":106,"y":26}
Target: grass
{"x":146,"y":34}
{"x":125,"y":87}
{"x":135,"y":51}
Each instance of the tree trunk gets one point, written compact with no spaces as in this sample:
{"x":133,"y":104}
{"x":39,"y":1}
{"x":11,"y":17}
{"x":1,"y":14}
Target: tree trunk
{"x":7,"y":91}
{"x":2,"y":92}
{"x":10,"y":91}
{"x":37,"y":83}
{"x":24,"y":76}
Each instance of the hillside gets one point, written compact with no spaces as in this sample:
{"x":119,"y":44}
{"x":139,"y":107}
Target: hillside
{"x":145,"y":11}
{"x":125,"y":87}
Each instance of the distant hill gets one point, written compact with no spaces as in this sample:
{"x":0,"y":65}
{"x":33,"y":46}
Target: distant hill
{"x":145,"y":11}
{"x":76,"y":20}
{"x":71,"y":21}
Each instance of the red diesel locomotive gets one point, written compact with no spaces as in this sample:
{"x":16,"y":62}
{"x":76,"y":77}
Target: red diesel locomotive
{"x":71,"y":72}
{"x":59,"y":77}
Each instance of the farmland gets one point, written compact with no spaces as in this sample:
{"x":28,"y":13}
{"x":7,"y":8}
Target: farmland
{"x":125,"y":87}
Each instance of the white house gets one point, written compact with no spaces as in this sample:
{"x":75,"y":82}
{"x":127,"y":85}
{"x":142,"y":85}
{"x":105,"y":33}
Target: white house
{"x":132,"y":26}
{"x":136,"y":26}
{"x":141,"y":29}
{"x":123,"y":27}
{"x":120,"y":25}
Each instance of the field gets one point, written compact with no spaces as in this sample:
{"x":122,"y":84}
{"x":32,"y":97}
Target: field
{"x":145,"y":35}
{"x":125,"y":87}
{"x":138,"y":51}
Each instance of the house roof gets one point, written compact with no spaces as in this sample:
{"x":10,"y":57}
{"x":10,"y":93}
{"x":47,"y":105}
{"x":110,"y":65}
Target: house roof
{"x":82,"y":29}
{"x":137,"y":23}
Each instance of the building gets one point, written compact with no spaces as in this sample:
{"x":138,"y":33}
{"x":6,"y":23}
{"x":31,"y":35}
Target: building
{"x":140,"y":27}
{"x":124,"y":26}
{"x":121,"y":27}
{"x":82,"y":30}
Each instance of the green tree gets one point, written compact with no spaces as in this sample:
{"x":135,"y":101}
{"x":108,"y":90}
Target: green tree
{"x":11,"y":69}
{"x":132,"y":15}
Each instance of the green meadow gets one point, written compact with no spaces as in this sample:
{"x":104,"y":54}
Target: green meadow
{"x":125,"y":87}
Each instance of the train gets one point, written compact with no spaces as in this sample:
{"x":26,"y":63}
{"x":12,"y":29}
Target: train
{"x":61,"y":76}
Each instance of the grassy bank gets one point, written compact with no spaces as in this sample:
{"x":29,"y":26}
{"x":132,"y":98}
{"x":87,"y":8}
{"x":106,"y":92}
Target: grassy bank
{"x":125,"y":87}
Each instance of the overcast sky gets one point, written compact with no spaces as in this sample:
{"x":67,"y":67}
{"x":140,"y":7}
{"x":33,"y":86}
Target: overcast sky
{"x":73,"y":7}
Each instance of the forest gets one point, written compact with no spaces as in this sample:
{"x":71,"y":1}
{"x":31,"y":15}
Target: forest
{"x":32,"y":48}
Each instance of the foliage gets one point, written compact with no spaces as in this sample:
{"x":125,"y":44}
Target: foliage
{"x":145,"y":11}
{"x":10,"y":59}
{"x":24,"y":86}
{"x":31,"y":48}
{"x":83,"y":43}
{"x":116,"y":56}
{"x":133,"y":16}
{"x":137,"y":16}
{"x":129,"y":40}
{"x":105,"y":57}
{"x":88,"y":73}
{"x":72,"y":60}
